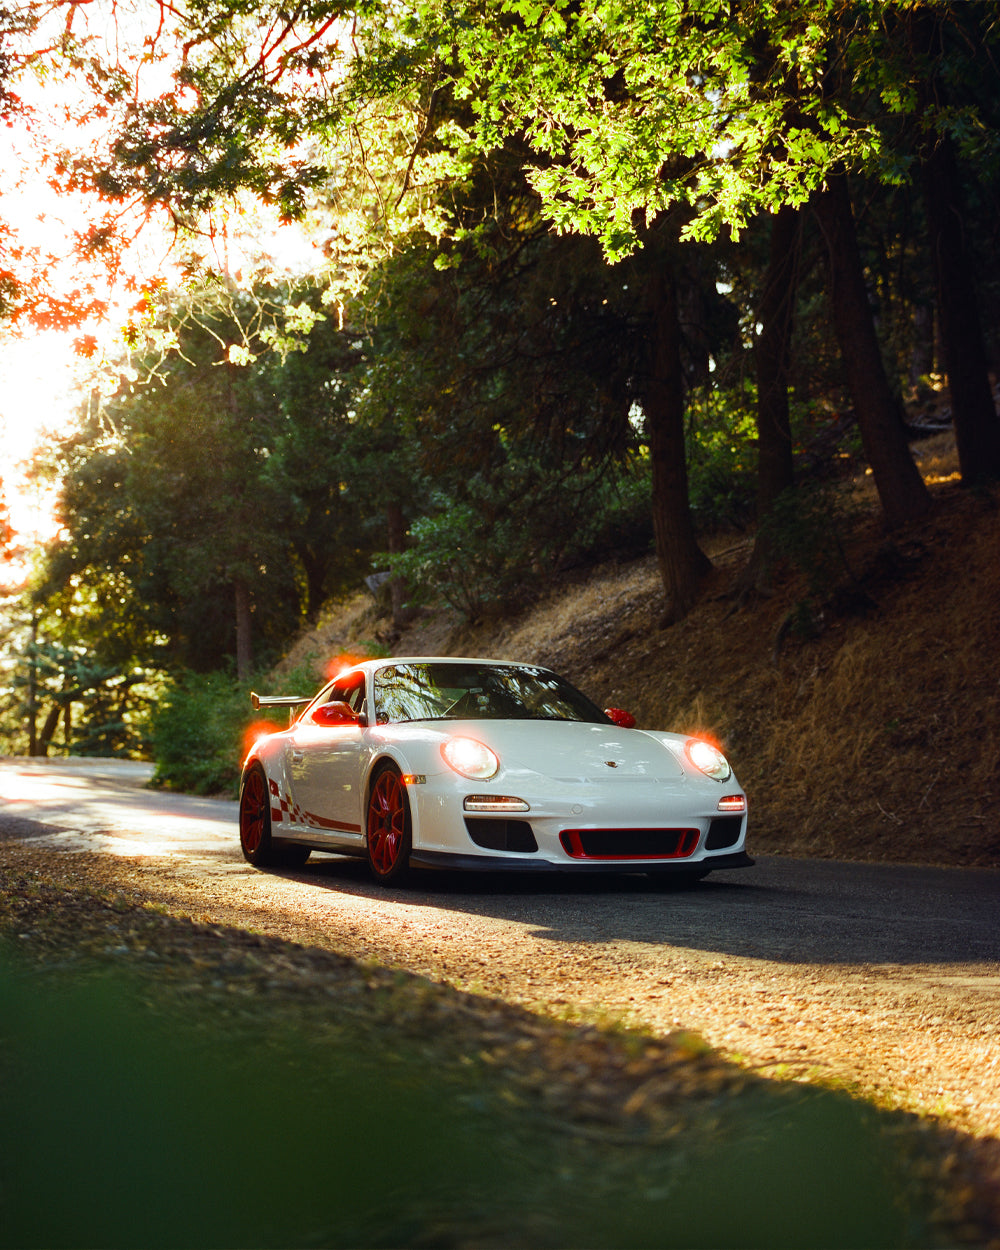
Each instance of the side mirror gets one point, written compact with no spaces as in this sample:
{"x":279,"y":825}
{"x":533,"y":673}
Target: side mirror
{"x":625,"y":720}
{"x":334,"y":713}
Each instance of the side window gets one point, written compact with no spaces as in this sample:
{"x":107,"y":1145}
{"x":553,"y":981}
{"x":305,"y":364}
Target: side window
{"x":352,"y":693}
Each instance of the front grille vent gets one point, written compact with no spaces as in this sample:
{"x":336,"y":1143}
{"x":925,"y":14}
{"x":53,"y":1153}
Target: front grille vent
{"x":497,"y":834}
{"x":629,"y":843}
{"x":723,"y":831}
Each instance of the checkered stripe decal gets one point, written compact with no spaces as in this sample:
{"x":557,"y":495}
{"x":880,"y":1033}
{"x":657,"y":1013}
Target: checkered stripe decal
{"x":283,"y":810}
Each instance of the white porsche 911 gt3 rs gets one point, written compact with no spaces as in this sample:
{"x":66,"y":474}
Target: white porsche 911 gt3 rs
{"x":484,"y":765}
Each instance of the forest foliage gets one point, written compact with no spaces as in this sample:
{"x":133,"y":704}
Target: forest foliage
{"x":590,"y":278}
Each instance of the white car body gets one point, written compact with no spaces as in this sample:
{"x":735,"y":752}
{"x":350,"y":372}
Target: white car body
{"x":567,"y":794}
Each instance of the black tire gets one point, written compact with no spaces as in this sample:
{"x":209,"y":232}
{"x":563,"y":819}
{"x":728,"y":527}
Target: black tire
{"x":255,"y":819}
{"x":388,"y":827}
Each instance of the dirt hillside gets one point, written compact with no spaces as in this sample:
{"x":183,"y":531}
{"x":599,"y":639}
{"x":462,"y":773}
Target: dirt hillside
{"x":873,"y":733}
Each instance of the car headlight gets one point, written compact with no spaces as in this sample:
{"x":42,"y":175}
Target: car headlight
{"x":708,"y":759}
{"x":470,"y":758}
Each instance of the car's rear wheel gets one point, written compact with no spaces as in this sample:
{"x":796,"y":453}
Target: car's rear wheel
{"x":389,"y":828}
{"x":256,"y":842}
{"x":255,"y":819}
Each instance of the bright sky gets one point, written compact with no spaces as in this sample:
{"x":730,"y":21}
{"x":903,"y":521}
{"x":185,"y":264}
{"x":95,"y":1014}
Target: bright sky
{"x":37,"y":395}
{"x":39,"y":370}
{"x":41,"y":378}
{"x":44,"y":384}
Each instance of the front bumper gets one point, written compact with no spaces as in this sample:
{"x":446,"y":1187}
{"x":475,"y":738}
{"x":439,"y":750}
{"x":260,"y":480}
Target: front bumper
{"x":628,"y":826}
{"x":531,"y":863}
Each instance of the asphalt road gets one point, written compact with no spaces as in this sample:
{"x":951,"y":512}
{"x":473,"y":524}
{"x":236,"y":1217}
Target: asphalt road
{"x":103,"y":805}
{"x":883,"y":974}
{"x":799,"y":911}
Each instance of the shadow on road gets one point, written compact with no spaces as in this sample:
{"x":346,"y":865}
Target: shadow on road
{"x":797,"y":911}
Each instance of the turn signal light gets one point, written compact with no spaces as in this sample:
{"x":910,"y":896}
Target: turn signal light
{"x":733,"y":803}
{"x":495,"y":803}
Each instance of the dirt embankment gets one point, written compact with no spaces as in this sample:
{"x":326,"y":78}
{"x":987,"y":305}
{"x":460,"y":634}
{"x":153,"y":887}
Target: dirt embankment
{"x":865,"y":724}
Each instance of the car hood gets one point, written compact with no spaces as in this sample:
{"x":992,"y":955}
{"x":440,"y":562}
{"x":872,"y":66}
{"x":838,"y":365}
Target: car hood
{"x":574,"y":751}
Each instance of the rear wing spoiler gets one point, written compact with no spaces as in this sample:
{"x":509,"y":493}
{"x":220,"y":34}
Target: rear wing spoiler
{"x":291,"y":701}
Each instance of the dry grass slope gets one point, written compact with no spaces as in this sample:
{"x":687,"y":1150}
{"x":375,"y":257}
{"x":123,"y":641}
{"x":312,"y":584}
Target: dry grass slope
{"x":876,"y":739}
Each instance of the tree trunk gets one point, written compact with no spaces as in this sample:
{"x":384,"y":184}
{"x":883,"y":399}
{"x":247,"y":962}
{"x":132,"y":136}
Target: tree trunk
{"x":48,"y":729}
{"x":315,"y":566}
{"x":977,"y":430}
{"x":776,"y":313}
{"x":397,"y":586}
{"x":900,"y":487}
{"x":239,"y":553}
{"x":244,"y":639}
{"x":682,"y":562}
{"x":922,"y":355}
{"x":33,"y":688}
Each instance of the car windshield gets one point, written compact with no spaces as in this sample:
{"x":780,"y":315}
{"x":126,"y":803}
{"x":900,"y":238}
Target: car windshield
{"x":432,"y":691}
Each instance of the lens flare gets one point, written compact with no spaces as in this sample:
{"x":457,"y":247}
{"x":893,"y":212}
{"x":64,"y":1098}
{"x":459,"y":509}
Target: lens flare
{"x":470,"y":758}
{"x":342,"y":661}
{"x":707,"y":758}
{"x":253,"y":733}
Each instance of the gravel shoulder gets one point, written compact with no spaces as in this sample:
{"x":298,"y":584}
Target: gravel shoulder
{"x":921,"y":1035}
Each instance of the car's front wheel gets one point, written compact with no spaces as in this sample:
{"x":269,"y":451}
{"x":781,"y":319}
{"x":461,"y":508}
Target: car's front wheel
{"x":389,"y":828}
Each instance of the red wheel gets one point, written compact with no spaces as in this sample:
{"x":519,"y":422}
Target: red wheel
{"x":255,"y":819}
{"x":389,"y":834}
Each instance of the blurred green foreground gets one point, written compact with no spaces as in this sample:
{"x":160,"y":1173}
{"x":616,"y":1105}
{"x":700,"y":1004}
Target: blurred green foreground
{"x":127,"y":1123}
